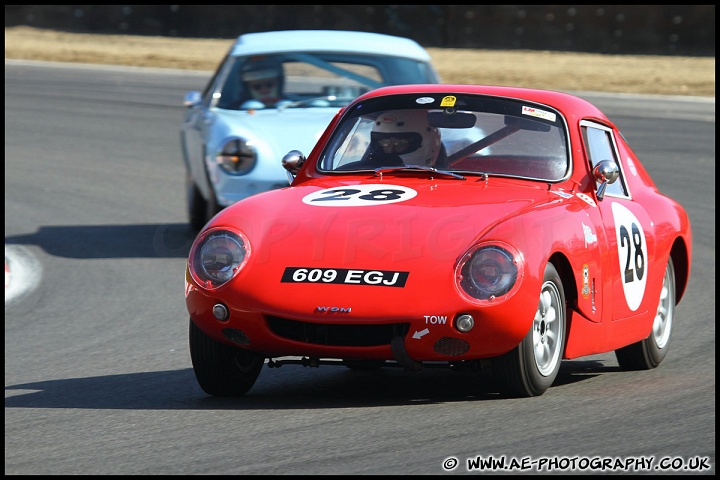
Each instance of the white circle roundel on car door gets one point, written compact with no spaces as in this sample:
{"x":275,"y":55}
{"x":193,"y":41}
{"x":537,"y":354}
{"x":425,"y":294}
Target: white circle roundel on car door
{"x":359,"y":195}
{"x":632,"y":254}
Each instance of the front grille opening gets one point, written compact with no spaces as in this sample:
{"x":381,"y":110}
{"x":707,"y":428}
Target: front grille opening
{"x":236,"y":336}
{"x":451,"y":346}
{"x":341,"y":335}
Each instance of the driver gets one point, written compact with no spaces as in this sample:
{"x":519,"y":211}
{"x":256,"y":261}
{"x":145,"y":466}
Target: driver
{"x":263,"y":80}
{"x":404,"y":137}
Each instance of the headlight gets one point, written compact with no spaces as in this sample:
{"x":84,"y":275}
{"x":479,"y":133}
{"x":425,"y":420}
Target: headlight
{"x":216,"y":256}
{"x":237,"y":157}
{"x":489,"y":272}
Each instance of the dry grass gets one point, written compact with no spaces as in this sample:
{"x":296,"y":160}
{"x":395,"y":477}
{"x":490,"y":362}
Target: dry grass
{"x":537,"y":69}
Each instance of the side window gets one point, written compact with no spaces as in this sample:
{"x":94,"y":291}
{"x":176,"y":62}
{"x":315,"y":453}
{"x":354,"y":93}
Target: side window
{"x":229,"y":85}
{"x":212,"y":93}
{"x":350,"y":148}
{"x":600,"y":145}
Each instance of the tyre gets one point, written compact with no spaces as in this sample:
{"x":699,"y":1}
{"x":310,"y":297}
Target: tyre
{"x":530,"y":369}
{"x":200,"y":210}
{"x":222,"y":370}
{"x":197,"y":205}
{"x":648,"y":353}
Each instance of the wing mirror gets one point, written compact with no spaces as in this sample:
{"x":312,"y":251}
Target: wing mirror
{"x":605,"y":173}
{"x":293,"y":162}
{"x":192,"y":98}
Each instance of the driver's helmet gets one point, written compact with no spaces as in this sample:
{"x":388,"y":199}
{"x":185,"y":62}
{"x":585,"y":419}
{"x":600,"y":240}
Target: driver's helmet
{"x":263,"y":78}
{"x":408,"y":134}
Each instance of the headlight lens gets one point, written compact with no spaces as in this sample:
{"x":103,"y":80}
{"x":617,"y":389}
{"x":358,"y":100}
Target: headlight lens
{"x":489,"y":272}
{"x":217,"y":256}
{"x":237,"y":157}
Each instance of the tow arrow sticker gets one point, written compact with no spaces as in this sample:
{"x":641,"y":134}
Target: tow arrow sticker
{"x":420,"y":334}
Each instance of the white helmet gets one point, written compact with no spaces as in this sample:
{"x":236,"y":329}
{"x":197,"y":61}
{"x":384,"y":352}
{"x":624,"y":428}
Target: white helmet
{"x":263,"y":79}
{"x":412,"y":130}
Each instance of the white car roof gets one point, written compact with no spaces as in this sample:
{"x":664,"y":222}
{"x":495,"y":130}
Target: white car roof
{"x":328,"y":40}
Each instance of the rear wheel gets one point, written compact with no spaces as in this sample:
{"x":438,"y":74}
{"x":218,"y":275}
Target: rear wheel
{"x":220,"y":369}
{"x":529,"y":369}
{"x":648,"y":353}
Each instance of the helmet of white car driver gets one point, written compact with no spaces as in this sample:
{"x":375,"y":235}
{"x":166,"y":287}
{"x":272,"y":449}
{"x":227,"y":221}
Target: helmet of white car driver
{"x":408,"y":134}
{"x":263,"y":78}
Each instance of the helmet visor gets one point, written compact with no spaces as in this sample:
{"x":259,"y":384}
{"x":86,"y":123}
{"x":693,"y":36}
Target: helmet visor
{"x":399,"y":143}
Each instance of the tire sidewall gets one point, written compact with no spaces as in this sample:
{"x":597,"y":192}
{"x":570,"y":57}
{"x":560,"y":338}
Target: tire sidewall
{"x":536,"y":381}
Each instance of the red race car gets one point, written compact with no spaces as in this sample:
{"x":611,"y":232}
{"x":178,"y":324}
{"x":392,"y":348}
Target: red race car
{"x":444,"y":225}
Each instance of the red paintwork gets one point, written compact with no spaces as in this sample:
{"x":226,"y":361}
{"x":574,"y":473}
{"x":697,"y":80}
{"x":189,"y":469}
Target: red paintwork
{"x":427,"y":235}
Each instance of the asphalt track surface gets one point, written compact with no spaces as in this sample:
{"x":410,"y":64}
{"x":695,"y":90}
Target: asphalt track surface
{"x":98,"y":378}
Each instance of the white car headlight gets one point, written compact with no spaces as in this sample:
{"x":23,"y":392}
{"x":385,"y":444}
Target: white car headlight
{"x":489,"y":272}
{"x":237,"y":157}
{"x":217,"y":255}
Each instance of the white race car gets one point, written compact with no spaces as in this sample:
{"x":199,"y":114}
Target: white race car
{"x":277,"y":91}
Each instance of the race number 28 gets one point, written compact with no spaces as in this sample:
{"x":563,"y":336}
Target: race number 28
{"x":633,"y":244}
{"x":360,"y":196}
{"x":632,"y":254}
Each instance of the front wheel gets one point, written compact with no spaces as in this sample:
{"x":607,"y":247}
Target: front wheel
{"x":529,"y":369}
{"x":648,"y":353}
{"x":200,"y":210}
{"x":220,"y":369}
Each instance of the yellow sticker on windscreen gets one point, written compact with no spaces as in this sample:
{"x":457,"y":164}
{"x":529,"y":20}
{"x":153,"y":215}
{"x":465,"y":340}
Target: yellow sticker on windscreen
{"x":448,"y":101}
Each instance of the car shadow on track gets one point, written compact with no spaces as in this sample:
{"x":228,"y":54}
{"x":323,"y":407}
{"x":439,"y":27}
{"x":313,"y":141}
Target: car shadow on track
{"x":111,"y":241}
{"x":292,"y":387}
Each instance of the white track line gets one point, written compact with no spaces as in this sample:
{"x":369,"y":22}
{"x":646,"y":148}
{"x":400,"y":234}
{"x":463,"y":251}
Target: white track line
{"x":22,"y":272}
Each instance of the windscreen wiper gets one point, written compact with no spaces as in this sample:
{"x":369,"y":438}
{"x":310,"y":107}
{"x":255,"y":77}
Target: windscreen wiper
{"x":417,"y":168}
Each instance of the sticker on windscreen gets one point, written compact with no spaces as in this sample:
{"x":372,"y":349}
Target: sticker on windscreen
{"x":536,"y":112}
{"x":448,"y":101}
{"x":360,"y":195}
